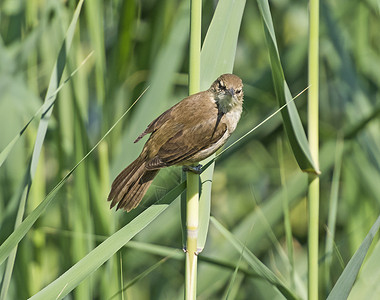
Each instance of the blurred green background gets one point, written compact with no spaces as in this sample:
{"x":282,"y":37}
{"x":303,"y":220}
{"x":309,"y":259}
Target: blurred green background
{"x":139,"y":43}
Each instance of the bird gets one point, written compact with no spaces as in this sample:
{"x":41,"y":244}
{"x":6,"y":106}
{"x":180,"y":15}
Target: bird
{"x":185,"y":134}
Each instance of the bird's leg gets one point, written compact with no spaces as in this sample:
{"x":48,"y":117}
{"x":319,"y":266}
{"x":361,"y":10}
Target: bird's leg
{"x":195,"y":169}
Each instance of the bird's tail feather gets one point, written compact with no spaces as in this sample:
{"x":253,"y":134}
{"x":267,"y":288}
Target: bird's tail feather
{"x":130,"y":186}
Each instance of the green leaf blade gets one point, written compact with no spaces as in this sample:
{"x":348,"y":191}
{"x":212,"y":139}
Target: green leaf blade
{"x":217,"y":58}
{"x":292,"y":121}
{"x":92,"y":261}
{"x":343,"y":286}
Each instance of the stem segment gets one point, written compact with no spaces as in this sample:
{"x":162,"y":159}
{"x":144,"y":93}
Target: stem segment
{"x":313,"y":133}
{"x":192,"y":192}
{"x":195,"y":46}
{"x":192,"y":234}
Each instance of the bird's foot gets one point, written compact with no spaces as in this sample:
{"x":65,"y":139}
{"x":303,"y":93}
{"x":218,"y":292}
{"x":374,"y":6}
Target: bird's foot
{"x":195,"y":169}
{"x":199,"y":250}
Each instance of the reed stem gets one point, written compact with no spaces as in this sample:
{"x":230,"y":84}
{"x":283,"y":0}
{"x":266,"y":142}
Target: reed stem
{"x":192,"y":192}
{"x":313,"y":134}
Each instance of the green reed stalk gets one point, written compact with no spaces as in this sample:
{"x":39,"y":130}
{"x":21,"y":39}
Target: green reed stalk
{"x":313,"y":132}
{"x":192,"y":192}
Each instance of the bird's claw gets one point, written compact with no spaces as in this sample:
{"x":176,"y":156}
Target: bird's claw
{"x":196,"y":253}
{"x":194,"y":169}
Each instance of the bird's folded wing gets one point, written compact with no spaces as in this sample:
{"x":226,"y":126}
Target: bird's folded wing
{"x":155,"y":124}
{"x":187,"y":142}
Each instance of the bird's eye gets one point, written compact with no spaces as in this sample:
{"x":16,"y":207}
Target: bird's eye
{"x":238,"y":91}
{"x":221,"y":85}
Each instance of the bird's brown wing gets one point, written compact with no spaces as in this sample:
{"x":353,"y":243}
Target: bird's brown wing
{"x":184,"y":106}
{"x":187,"y":142}
{"x":156,"y":123}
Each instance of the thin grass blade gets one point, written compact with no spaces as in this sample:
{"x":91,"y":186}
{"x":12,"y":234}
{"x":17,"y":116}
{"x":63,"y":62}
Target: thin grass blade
{"x":234,"y":278}
{"x":141,"y":276}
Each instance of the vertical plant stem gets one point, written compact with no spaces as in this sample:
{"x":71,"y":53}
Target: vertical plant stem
{"x":192,"y":192}
{"x":313,"y":132}
{"x":195,"y":46}
{"x":192,"y":235}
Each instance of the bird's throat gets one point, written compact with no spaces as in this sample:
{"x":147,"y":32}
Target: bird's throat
{"x":226,"y":103}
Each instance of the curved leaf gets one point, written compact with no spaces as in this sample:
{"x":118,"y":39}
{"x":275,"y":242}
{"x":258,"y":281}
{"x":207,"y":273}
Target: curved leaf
{"x":292,"y":121}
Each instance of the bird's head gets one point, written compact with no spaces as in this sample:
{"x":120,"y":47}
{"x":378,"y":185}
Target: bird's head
{"x":228,"y":92}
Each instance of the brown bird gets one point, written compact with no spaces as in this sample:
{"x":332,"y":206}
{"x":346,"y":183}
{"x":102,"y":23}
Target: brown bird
{"x":185,"y":134}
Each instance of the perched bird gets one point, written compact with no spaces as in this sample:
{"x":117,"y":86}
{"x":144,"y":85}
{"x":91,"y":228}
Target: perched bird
{"x":185,"y":134}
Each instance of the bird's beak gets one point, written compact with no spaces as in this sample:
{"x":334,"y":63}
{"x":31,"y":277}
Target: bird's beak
{"x":232,"y":92}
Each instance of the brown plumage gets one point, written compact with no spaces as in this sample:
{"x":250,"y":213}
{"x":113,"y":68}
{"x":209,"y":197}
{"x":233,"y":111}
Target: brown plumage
{"x":185,"y":134}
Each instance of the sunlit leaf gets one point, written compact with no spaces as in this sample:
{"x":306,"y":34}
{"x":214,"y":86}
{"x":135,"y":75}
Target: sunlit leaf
{"x":292,"y":121}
